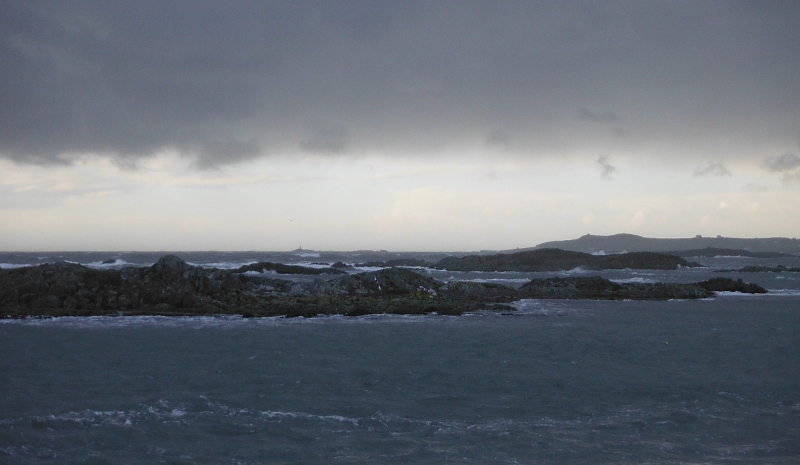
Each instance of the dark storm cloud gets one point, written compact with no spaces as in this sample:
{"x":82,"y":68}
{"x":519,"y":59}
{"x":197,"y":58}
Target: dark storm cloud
{"x":229,"y":81}
{"x":713,"y":169}
{"x":606,"y":168}
{"x":497,"y":138}
{"x":331,"y":139}
{"x":598,"y":116}
{"x":785,"y":162}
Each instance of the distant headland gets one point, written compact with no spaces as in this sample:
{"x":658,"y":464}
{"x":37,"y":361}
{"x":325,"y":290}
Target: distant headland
{"x":620,"y":243}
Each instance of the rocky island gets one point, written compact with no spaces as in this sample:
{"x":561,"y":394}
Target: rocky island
{"x":563,"y":260}
{"x":546,"y":260}
{"x":173,"y":287}
{"x":762,"y":269}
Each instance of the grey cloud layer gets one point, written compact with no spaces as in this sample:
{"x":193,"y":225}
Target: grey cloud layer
{"x":230,"y":81}
{"x":606,"y":168}
{"x":785,"y":162}
{"x":712,"y":169}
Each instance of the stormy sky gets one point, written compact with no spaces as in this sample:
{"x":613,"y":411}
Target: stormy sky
{"x":410,"y":125}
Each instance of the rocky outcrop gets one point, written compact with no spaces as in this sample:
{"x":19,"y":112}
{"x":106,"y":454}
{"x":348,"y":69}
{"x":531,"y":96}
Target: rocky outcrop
{"x":730,"y":285}
{"x":397,"y":262}
{"x":762,"y":269}
{"x":562,"y":260}
{"x":173,"y":287}
{"x":595,"y":287}
{"x":281,"y":268}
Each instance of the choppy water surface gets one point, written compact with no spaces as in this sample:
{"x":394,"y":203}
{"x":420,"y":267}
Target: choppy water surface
{"x":709,"y":381}
{"x":560,"y":383}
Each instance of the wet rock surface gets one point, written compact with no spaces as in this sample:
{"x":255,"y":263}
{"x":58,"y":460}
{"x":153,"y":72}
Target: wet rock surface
{"x":173,"y":287}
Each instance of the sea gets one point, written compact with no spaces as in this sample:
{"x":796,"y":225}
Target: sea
{"x":711,"y":381}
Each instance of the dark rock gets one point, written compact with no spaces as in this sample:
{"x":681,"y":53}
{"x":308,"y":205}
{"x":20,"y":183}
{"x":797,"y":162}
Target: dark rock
{"x":730,"y":285}
{"x":413,"y":262}
{"x":281,"y":268}
{"x":173,"y":287}
{"x":762,"y":269}
{"x":562,"y":260}
{"x":595,"y":287}
{"x":170,"y":264}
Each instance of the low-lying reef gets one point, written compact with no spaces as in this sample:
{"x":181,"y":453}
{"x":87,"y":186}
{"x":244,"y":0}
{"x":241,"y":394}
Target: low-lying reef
{"x":541,"y":260}
{"x":762,"y":269}
{"x":413,"y":262}
{"x":595,"y":287}
{"x":718,"y":252}
{"x":563,"y":260}
{"x":280,"y":268}
{"x":173,"y":287}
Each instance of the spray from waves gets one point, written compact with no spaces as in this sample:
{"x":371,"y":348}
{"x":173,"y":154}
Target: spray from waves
{"x":634,"y":280}
{"x":215,"y":321}
{"x":109,"y":264}
{"x":10,"y":266}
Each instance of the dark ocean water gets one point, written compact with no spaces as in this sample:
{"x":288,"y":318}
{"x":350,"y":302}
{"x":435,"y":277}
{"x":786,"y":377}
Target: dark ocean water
{"x":710,"y":381}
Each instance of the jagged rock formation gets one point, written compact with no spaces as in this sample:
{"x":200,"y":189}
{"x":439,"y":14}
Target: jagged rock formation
{"x":173,"y":287}
{"x":562,"y":260}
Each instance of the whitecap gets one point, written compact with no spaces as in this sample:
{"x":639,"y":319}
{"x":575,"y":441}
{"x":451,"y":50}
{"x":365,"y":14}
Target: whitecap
{"x":634,"y":280}
{"x":223,"y":265}
{"x":497,"y":280}
{"x":10,"y":266}
{"x":783,"y":292}
{"x":309,"y":416}
{"x":117,"y":263}
{"x":308,"y":254}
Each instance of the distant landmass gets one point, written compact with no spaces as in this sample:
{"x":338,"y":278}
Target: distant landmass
{"x":619,"y":243}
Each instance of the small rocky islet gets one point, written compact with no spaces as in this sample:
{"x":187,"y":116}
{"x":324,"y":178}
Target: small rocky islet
{"x":763,"y":269}
{"x":545,"y":260}
{"x":173,"y":287}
